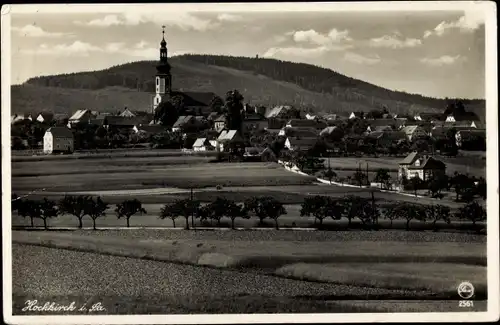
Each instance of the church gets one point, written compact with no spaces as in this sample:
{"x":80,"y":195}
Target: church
{"x":196,"y":103}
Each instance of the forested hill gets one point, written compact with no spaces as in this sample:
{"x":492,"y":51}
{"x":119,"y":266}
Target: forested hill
{"x":260,"y":80}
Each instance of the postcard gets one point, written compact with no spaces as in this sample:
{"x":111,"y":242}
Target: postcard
{"x":210,"y":163}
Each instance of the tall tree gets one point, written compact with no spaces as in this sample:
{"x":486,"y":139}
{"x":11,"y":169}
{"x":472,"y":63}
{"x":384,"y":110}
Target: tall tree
{"x":436,"y":213}
{"x":234,"y":104}
{"x":472,"y":211}
{"x":273,"y":209}
{"x":170,"y":211}
{"x":46,"y":209}
{"x":185,"y":208}
{"x":75,"y":206}
{"x":29,"y":208}
{"x":236,"y":211}
{"x":217,"y":104}
{"x":128,"y":208}
{"x":95,"y":209}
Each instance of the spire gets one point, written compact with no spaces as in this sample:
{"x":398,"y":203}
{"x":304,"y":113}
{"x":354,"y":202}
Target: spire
{"x":163,"y":42}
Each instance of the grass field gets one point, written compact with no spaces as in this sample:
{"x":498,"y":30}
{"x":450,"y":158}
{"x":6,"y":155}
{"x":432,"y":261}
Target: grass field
{"x":135,"y":173}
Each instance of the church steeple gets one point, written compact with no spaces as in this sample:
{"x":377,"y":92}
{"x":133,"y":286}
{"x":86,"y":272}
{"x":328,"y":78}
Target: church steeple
{"x":163,"y":47}
{"x":163,"y":80}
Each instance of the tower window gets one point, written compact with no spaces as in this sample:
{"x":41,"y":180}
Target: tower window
{"x":157,"y":81}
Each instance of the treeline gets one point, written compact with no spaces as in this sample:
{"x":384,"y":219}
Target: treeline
{"x":319,"y":79}
{"x":263,"y":208}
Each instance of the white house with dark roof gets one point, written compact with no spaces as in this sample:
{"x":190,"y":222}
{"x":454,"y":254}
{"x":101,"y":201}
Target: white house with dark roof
{"x":421,"y":166}
{"x":58,"y":139}
{"x":203,"y":144}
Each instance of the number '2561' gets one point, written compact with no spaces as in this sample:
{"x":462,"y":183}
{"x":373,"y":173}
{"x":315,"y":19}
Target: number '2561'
{"x":465,"y":303}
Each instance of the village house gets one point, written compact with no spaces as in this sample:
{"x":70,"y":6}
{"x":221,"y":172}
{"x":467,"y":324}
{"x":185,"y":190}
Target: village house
{"x":81,"y":116}
{"x":61,"y":119}
{"x":220,"y":123}
{"x":130,"y":113}
{"x":203,"y":144}
{"x":228,"y":139}
{"x":277,"y":111}
{"x":354,"y":115}
{"x":58,"y":139}
{"x":478,"y":136}
{"x":300,"y":144}
{"x":120,"y":122}
{"x":413,"y":132}
{"x":421,"y":166}
{"x":45,"y":117}
{"x":185,"y":122}
{"x":254,"y":122}
{"x":310,"y":116}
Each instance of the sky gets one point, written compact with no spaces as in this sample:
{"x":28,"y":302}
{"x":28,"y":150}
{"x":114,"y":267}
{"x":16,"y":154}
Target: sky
{"x":433,"y":53}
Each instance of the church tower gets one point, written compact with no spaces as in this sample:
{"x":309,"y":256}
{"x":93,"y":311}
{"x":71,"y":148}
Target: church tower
{"x":163,"y":79}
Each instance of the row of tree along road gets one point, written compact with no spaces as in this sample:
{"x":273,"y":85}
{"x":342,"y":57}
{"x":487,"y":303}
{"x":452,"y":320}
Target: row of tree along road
{"x":349,"y":208}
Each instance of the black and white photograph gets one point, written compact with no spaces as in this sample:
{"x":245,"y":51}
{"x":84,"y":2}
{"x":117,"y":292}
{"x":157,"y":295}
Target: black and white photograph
{"x":207,"y":163}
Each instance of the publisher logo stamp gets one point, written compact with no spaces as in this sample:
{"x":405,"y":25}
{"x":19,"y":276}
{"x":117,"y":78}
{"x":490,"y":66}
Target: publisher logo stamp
{"x":465,"y":290}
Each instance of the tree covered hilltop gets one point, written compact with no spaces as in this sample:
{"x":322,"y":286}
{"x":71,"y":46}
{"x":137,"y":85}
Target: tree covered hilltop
{"x":262,"y":81}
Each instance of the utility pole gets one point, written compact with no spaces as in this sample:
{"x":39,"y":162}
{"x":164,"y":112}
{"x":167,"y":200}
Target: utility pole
{"x":192,"y":208}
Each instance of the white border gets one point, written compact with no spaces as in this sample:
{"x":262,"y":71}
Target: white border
{"x":488,"y":9}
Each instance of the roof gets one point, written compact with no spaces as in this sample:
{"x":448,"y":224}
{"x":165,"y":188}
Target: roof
{"x":200,"y":142}
{"x":302,"y":143}
{"x":47,"y":115}
{"x":301,"y":132}
{"x":427,"y":162}
{"x":79,"y":114}
{"x":409,"y":159}
{"x":182,"y":120}
{"x":221,"y":118}
{"x":123,"y":121}
{"x":60,"y":117}
{"x":381,"y":122}
{"x":328,"y":130}
{"x":212,"y":116}
{"x":154,"y":128}
{"x":195,"y":98}
{"x":227,"y":135}
{"x":306,"y":124}
{"x":382,"y":128}
{"x":254,"y":117}
{"x":96,"y":121}
{"x":275,"y":111}
{"x":60,"y":132}
{"x":473,"y":132}
{"x":409,"y":129}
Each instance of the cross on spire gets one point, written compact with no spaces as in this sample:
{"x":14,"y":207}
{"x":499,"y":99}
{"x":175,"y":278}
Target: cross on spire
{"x":163,"y":30}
